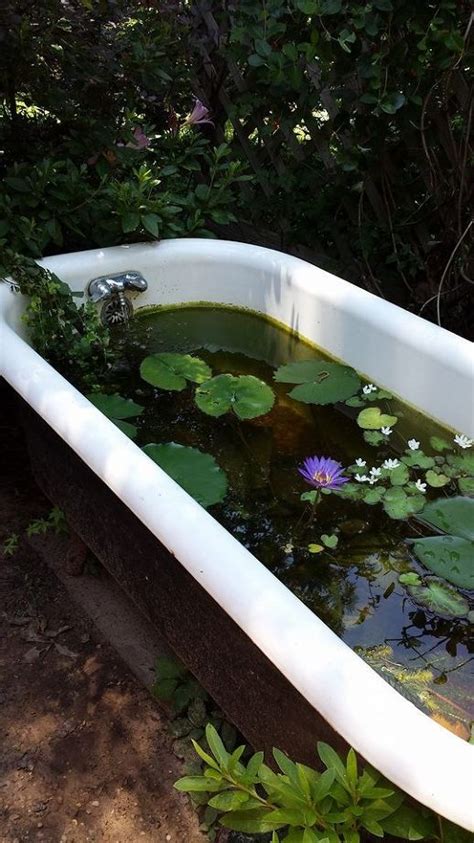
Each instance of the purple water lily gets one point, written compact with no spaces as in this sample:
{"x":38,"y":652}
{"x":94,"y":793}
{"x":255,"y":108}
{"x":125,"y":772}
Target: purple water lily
{"x":140,"y":140}
{"x":199,"y":114}
{"x":323,"y":473}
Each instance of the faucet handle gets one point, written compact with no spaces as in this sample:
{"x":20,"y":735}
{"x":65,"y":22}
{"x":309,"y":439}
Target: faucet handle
{"x":103,"y":288}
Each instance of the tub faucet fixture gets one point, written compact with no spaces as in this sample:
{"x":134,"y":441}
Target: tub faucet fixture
{"x":109,"y":290}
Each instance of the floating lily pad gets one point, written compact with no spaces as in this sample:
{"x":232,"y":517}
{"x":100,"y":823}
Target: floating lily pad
{"x":397,"y":504}
{"x":463,"y":462}
{"x":372,"y":418}
{"x":451,"y":515}
{"x":374,"y":437}
{"x":440,"y":598}
{"x":117,"y":408}
{"x":320,"y":382}
{"x":417,"y":459}
{"x":245,"y":395}
{"x":449,"y":557}
{"x":399,"y":476}
{"x":373,"y":495}
{"x":435,"y":479}
{"x":315,"y":548}
{"x":329,"y":541}
{"x":198,"y":473}
{"x":172,"y":371}
{"x":439,"y":444}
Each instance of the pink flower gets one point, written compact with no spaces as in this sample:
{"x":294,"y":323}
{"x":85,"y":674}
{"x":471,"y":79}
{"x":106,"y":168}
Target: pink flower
{"x":199,"y":115}
{"x":140,"y":140}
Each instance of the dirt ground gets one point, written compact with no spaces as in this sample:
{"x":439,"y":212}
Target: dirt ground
{"x":84,"y":752}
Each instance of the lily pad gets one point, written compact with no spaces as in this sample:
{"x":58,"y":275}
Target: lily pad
{"x":172,"y":371}
{"x":373,"y":495}
{"x":372,"y":418}
{"x":398,"y":505}
{"x":399,"y":476}
{"x":449,"y":557}
{"x":315,"y":548}
{"x":440,"y":598}
{"x":374,"y":437}
{"x":436,"y":480}
{"x":329,"y":541}
{"x":117,"y":408}
{"x":439,"y":444}
{"x":417,"y":459}
{"x":198,"y":473}
{"x":320,"y":382}
{"x":245,"y":395}
{"x":451,"y":515}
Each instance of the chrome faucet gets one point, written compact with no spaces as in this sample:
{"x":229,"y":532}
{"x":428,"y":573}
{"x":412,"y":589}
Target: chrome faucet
{"x":110,"y":290}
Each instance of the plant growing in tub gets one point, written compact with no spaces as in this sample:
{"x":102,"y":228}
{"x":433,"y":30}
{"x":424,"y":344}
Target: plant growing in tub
{"x":299,"y":804}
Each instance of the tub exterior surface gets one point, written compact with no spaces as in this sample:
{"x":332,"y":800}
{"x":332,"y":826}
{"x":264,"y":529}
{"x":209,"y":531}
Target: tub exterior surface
{"x":425,"y":365}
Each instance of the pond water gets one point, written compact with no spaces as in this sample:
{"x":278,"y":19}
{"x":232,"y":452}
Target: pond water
{"x":343,"y":557}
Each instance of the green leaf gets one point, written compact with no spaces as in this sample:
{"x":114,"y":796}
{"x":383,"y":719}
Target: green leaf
{"x":440,"y":598}
{"x":205,"y":757}
{"x":410,"y":823}
{"x":308,"y":7}
{"x":197,"y":784}
{"x":439,"y":444}
{"x":451,"y":515}
{"x":216,"y":746}
{"x":449,"y":557}
{"x":130,"y":430}
{"x":383,"y":5}
{"x":320,"y":382}
{"x":198,"y":473}
{"x":329,"y":541}
{"x":151,"y":223}
{"x":245,"y":395}
{"x":399,"y":476}
{"x":373,"y":437}
{"x":310,"y":837}
{"x":172,"y":371}
{"x":309,"y":496}
{"x":410,"y":578}
{"x":397,"y":504}
{"x":130,"y":221}
{"x":351,"y":768}
{"x":330,"y":7}
{"x":417,"y":459}
{"x":436,"y":480}
{"x":373,"y":496}
{"x":250,"y":822}
{"x":332,"y":761}
{"x":115,"y":406}
{"x":372,"y":418}
{"x":355,"y":401}
{"x":229,"y":800}
{"x":466,"y":485}
{"x":392,"y":102}
{"x":315,"y":548}
{"x":167,"y":668}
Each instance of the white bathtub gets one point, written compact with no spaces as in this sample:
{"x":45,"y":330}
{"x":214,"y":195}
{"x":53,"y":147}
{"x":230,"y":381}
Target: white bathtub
{"x":426,"y":365}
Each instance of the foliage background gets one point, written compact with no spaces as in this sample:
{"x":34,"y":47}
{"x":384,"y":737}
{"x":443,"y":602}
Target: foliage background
{"x":341,"y":132}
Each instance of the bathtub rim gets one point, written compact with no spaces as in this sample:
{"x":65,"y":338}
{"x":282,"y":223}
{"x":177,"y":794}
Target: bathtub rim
{"x":445,"y":790}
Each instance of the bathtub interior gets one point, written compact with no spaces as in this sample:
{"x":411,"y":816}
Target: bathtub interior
{"x":383,"y":343}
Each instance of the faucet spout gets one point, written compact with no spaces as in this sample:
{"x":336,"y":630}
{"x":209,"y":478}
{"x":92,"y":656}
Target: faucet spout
{"x":110,"y":291}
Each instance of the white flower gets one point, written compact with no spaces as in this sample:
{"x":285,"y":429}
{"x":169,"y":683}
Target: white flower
{"x":420,"y":486}
{"x":413,"y":444}
{"x":372,"y":480}
{"x":361,"y":478}
{"x":390,"y":464}
{"x":360,"y":462}
{"x":386,"y":431}
{"x":375,"y":472}
{"x":368,"y":388}
{"x":463,"y":441}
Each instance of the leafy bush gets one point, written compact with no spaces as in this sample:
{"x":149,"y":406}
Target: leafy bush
{"x":340,"y":804}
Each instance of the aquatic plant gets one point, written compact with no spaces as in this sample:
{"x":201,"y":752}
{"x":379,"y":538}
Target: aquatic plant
{"x":172,"y":371}
{"x":117,"y":409}
{"x":319,"y":381}
{"x":244,"y":395}
{"x":198,"y":473}
{"x":450,"y":555}
{"x":323,"y":473}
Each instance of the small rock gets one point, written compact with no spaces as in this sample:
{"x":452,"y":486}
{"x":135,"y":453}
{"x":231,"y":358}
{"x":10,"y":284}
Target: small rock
{"x":95,"y":803}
